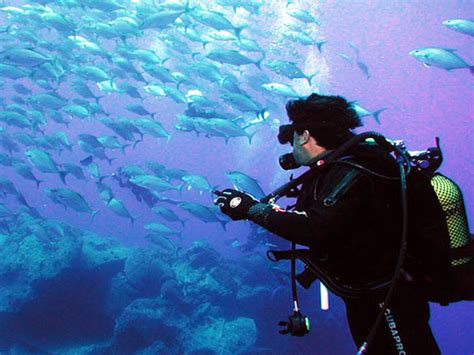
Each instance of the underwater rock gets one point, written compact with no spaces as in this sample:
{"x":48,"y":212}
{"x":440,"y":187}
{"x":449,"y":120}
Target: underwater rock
{"x":144,"y":323}
{"x":199,"y":285}
{"x":38,"y":251}
{"x":55,"y":282}
{"x":200,"y":254}
{"x":121,"y":294}
{"x":220,"y":336}
{"x":103,"y":254}
{"x":146,"y":271}
{"x":29,"y":256}
{"x":201,"y":274}
{"x":157,"y":347}
{"x":172,"y":291}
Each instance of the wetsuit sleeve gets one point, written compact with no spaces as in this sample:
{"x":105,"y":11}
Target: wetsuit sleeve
{"x":319,"y":222}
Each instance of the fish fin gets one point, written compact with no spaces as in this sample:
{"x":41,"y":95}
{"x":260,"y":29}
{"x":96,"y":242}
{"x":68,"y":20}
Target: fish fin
{"x":426,"y":65}
{"x":86,"y":162}
{"x":377,"y":113}
{"x":471,"y":69}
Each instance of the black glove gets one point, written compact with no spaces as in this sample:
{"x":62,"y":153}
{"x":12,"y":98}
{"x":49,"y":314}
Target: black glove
{"x":234,"y":203}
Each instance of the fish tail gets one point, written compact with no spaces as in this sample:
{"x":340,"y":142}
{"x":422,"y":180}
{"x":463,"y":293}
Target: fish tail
{"x":93,"y":214}
{"x":238,"y":30}
{"x":110,"y":160}
{"x":122,"y":148}
{"x":133,"y":219}
{"x":259,"y":62}
{"x":179,"y":188}
{"x":250,"y":136}
{"x":223,"y":224}
{"x":377,"y":113}
{"x":187,"y":8}
{"x":38,"y":182}
{"x":62,"y":175}
{"x":136,"y":142}
{"x":102,"y":178}
{"x":309,"y":78}
{"x":320,"y":45}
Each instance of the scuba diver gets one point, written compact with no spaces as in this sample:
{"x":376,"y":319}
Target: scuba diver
{"x":349,"y":215}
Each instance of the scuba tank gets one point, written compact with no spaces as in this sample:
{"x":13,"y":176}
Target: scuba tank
{"x":460,"y":268}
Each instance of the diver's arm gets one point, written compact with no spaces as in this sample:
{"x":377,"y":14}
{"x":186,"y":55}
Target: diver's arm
{"x":315,"y":225}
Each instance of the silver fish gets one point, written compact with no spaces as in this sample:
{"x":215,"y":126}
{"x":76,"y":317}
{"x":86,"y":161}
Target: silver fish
{"x":154,"y":183}
{"x":362,"y":112}
{"x":201,"y":212}
{"x":43,"y":162}
{"x":72,"y":199}
{"x":461,"y":25}
{"x":246,"y":183}
{"x":119,"y":209}
{"x":443,"y":58}
{"x":167,"y":214}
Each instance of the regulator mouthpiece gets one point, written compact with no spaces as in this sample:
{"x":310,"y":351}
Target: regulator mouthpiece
{"x":288,"y":162}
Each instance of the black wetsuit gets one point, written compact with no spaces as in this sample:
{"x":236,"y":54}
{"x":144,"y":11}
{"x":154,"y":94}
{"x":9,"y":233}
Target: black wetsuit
{"x":356,"y":236}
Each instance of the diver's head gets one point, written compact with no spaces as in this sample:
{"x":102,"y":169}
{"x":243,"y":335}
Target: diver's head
{"x":318,"y":123}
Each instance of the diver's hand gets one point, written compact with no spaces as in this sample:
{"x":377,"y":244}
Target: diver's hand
{"x":234,"y":203}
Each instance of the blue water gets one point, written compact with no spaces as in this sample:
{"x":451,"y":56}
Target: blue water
{"x":76,"y":293}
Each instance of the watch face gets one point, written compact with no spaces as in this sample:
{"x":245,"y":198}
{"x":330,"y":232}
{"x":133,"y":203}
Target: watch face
{"x":235,"y":202}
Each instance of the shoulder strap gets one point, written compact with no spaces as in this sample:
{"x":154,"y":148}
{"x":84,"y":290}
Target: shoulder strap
{"x":342,"y":187}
